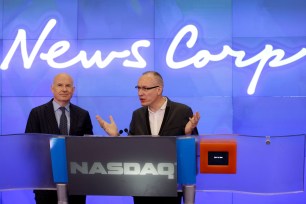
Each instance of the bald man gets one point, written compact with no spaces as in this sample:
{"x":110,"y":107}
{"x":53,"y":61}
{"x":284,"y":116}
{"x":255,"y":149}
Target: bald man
{"x":46,"y":119}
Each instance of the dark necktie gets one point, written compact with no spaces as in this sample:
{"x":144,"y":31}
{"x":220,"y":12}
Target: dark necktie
{"x":63,"y":122}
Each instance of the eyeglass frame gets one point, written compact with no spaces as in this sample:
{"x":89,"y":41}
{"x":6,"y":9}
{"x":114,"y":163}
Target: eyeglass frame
{"x":145,"y":88}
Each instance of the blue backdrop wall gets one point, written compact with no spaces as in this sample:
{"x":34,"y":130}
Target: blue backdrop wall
{"x":241,"y":64}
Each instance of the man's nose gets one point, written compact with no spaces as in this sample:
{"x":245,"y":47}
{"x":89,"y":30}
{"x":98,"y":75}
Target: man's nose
{"x":140,"y":92}
{"x":65,"y":88}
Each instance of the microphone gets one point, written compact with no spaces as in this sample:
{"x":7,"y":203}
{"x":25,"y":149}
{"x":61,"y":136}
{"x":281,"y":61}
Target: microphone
{"x":126,"y":131}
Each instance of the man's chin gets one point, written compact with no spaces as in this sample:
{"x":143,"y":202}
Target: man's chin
{"x":143,"y":104}
{"x":64,"y":100}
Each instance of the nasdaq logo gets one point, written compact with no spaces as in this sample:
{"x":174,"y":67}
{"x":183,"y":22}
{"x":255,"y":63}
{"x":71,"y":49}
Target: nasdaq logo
{"x":123,"y":168}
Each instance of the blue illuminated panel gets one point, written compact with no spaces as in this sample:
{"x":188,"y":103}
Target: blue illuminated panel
{"x":275,"y":116}
{"x":262,"y":18}
{"x":106,"y":45}
{"x":214,"y":18}
{"x":33,"y":16}
{"x":258,"y":170}
{"x":1,"y":20}
{"x":115,"y":19}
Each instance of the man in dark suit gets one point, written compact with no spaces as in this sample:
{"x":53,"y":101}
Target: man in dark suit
{"x":46,"y":119}
{"x":158,"y":116}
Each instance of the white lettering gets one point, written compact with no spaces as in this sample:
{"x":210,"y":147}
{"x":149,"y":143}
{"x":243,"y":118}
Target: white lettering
{"x":166,"y":169}
{"x":127,"y":168}
{"x":83,"y":168}
{"x":148,"y":168}
{"x":131,"y":168}
{"x":140,"y":62}
{"x":115,"y":168}
{"x":97,"y":168}
{"x":203,"y":57}
{"x":61,"y":47}
{"x":21,"y":39}
{"x":132,"y":57}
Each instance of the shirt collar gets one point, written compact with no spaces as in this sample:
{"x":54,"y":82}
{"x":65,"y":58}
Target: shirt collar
{"x":163,"y":107}
{"x":56,"y":106}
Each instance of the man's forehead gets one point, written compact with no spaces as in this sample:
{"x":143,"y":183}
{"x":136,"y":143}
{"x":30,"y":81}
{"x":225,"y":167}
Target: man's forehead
{"x":146,"y":79}
{"x":63,"y":80}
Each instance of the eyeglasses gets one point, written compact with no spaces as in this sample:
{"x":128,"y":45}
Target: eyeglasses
{"x":145,"y":88}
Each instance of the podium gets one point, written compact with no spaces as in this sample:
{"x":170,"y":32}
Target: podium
{"x":25,"y":162}
{"x":265,"y":165}
{"x":125,"y":166}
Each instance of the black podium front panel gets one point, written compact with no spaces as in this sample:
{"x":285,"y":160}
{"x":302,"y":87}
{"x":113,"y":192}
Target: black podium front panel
{"x":136,"y":166}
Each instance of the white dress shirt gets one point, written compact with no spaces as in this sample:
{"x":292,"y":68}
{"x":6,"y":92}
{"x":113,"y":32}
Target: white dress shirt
{"x":156,"y":119}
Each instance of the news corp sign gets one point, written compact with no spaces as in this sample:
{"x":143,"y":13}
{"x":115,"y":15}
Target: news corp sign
{"x":126,"y":166}
{"x":267,"y":57}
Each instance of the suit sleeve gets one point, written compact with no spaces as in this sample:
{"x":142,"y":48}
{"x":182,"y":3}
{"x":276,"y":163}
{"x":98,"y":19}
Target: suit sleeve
{"x":132,"y":125}
{"x":33,"y":123}
{"x":88,"y":125}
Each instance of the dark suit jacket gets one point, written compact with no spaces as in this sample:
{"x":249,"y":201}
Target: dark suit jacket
{"x":42,"y":120}
{"x":175,"y":119}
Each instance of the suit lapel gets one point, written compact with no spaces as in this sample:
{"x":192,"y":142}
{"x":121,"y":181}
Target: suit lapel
{"x":148,"y":129}
{"x":73,"y":121}
{"x":164,"y":120}
{"x":52,"y":123}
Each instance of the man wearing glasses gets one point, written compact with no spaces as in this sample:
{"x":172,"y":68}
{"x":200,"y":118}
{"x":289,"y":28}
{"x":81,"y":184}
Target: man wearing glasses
{"x":158,"y":116}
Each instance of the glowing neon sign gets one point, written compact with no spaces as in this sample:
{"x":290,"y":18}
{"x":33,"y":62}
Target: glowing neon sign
{"x":61,"y":47}
{"x":202,"y":57}
{"x":199,"y":60}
